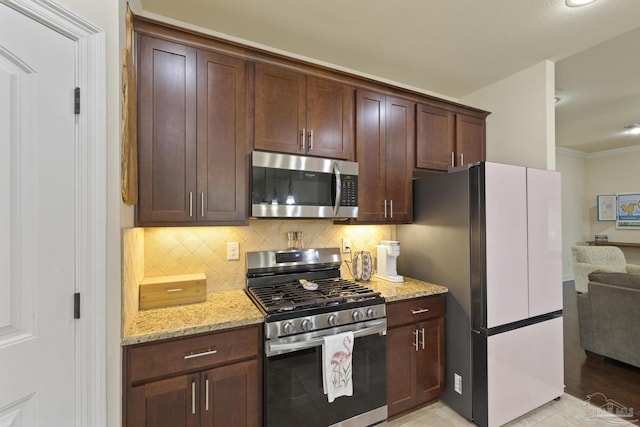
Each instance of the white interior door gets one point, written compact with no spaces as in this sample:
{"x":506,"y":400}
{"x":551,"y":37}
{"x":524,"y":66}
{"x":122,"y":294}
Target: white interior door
{"x":37,"y":225}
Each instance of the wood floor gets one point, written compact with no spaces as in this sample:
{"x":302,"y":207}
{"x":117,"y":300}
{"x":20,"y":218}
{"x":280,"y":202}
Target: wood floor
{"x":585,"y":376}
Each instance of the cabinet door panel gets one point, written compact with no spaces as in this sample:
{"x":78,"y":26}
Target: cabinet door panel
{"x":399,"y":158}
{"x":370,"y":152}
{"x":435,"y":137}
{"x":431,"y":375}
{"x":166,"y":130}
{"x":330,"y":117}
{"x":401,"y":369}
{"x":165,"y":403}
{"x":221,"y":138}
{"x":470,"y":144}
{"x":233,"y":393}
{"x":280,"y":109}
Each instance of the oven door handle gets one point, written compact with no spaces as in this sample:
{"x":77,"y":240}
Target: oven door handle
{"x":274,"y":348}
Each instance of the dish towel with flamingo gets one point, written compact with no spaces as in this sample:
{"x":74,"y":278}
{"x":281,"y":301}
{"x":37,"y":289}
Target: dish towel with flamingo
{"x":337,"y":366}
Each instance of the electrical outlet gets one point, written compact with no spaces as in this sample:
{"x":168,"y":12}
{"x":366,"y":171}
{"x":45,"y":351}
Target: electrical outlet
{"x":457,"y":383}
{"x":346,"y":245}
{"x":233,"y":251}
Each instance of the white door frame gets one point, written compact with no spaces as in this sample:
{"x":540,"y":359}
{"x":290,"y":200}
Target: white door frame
{"x":90,"y":209}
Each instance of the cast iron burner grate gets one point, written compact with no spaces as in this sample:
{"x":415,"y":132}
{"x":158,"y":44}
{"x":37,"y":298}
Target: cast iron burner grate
{"x":292,"y":296}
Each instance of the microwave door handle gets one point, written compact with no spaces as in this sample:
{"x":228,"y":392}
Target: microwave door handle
{"x":336,"y":172}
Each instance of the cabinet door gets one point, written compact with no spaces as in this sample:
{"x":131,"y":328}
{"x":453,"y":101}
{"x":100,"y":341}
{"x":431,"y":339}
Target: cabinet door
{"x":470,"y":139}
{"x":231,"y":396}
{"x":280,"y":109}
{"x":166,"y":131}
{"x":222,"y":144}
{"x":399,"y":147}
{"x":371,"y":154}
{"x":431,"y":375}
{"x":401,"y":369}
{"x":329,"y":119}
{"x":165,"y":403}
{"x":435,"y":139}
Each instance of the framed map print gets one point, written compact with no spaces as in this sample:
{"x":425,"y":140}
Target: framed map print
{"x":628,"y":210}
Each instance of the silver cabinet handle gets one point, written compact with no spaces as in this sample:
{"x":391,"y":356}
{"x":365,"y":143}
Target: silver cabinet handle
{"x":204,"y":353}
{"x":391,"y":207}
{"x":461,"y":158}
{"x":415,"y":344}
{"x":193,"y":397}
{"x":453,"y":159}
{"x":190,"y":204}
{"x":385,"y":208}
{"x":311,"y":140}
{"x":422,"y":333}
{"x":174,"y":290}
{"x":206,"y":392}
{"x":303,"y":134}
{"x":202,"y":204}
{"x":422,"y":310}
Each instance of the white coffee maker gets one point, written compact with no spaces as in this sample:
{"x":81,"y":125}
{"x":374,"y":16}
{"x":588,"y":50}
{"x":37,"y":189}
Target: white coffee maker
{"x":388,"y":251}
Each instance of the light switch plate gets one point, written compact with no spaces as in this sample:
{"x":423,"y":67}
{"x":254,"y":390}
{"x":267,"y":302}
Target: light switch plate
{"x":233,"y":251}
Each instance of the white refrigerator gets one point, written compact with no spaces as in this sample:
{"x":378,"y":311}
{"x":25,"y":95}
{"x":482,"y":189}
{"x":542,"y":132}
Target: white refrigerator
{"x":491,"y":233}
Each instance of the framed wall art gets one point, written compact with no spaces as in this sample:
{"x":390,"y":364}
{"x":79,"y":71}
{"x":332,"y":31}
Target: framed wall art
{"x":606,"y":207}
{"x":628,"y":210}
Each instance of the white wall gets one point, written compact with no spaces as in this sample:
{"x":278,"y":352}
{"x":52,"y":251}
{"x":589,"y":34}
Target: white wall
{"x":583,"y":178}
{"x":575,"y":215}
{"x":521,"y":126}
{"x":106,"y":15}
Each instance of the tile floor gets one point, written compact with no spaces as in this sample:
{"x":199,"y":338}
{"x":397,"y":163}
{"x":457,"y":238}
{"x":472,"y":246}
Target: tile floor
{"x":569,"y":411}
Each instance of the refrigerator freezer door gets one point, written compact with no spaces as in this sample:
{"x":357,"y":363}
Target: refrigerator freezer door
{"x":525,"y":370}
{"x":545,"y":241}
{"x":507,"y":298}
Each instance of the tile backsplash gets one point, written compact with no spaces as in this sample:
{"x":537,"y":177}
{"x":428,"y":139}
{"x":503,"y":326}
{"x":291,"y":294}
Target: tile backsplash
{"x":184,"y":250}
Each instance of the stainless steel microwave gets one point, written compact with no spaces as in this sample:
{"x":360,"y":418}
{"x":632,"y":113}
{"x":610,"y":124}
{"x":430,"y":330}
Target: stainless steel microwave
{"x":288,"y":186}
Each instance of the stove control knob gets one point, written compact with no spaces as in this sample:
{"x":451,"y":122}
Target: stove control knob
{"x":333,"y":320}
{"x":371,"y":313}
{"x":305,"y":325}
{"x":288,"y":328}
{"x":357,"y":315}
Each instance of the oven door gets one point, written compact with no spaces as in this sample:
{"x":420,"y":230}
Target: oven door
{"x":293,"y":392}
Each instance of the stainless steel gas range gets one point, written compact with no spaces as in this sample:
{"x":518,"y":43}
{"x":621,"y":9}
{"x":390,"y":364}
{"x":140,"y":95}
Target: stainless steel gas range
{"x":304,"y":300}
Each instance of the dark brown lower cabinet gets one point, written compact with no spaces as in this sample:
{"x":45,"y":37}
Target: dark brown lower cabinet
{"x":415,"y":353}
{"x":221,"y":392}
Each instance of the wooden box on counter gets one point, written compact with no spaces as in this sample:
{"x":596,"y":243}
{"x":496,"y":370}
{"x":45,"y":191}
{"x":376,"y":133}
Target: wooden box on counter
{"x":164,"y":291}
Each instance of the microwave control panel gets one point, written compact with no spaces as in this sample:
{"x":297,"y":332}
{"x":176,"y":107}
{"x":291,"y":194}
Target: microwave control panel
{"x":349,"y":196}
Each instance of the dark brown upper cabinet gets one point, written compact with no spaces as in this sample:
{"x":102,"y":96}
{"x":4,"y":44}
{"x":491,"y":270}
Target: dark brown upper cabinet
{"x":385,"y":137}
{"x":446,"y":138}
{"x":302,"y":114}
{"x":192,"y":140}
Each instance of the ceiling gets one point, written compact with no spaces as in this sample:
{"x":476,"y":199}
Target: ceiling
{"x":454,"y":47}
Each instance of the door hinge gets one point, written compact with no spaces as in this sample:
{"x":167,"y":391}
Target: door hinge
{"x":76,"y":305}
{"x":76,"y":100}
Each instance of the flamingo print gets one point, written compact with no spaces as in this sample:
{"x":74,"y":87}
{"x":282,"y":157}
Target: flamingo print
{"x":337,"y":361}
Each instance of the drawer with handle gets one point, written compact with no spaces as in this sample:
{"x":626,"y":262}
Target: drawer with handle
{"x":159,"y":359}
{"x":415,"y":310}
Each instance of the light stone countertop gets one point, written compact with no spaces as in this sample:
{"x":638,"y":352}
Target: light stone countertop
{"x":410,"y":288}
{"x":231,"y":309}
{"x":221,"y":310}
